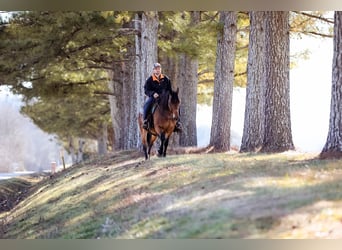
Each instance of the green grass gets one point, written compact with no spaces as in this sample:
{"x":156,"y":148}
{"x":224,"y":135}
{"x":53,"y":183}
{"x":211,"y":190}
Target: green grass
{"x":181,"y":196}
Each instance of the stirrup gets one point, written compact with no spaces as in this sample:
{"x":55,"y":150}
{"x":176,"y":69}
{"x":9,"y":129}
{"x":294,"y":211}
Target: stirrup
{"x":145,"y":124}
{"x":178,"y":128}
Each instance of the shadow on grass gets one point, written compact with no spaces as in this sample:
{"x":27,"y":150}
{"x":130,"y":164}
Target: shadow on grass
{"x":217,"y":200}
{"x":226,"y":207}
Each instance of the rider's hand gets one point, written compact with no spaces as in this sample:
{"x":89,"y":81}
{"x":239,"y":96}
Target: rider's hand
{"x":155,"y":95}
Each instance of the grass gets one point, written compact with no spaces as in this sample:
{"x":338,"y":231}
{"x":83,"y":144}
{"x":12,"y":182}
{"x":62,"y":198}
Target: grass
{"x":219,"y":195}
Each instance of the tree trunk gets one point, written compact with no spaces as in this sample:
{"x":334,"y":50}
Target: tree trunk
{"x":127,"y":81}
{"x":333,"y":145}
{"x":254,"y":123}
{"x":171,"y":70}
{"x":149,"y":46}
{"x":130,"y":103}
{"x":80,"y":152}
{"x":223,"y":82}
{"x":102,"y":139}
{"x":187,"y":80}
{"x":138,"y":76}
{"x":146,"y":55}
{"x":116,"y":105}
{"x":278,"y":135}
{"x":72,"y":150}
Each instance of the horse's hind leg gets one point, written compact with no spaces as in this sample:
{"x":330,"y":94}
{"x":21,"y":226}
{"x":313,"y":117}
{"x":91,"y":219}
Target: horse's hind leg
{"x":149,"y":150}
{"x":149,"y":145}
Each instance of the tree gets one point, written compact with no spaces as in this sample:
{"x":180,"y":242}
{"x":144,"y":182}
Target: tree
{"x":67,"y":55}
{"x":278,"y":135}
{"x":254,"y":127}
{"x":223,"y":85}
{"x":333,"y":145}
{"x":187,"y":81}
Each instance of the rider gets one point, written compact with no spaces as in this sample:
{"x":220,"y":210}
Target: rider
{"x":153,"y":87}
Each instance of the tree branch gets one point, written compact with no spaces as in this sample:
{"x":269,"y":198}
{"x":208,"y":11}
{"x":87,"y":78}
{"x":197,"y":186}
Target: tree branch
{"x":83,"y":83}
{"x":317,"y":34}
{"x":314,"y":16}
{"x":103,"y":93}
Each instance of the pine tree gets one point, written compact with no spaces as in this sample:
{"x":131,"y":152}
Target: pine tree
{"x":333,"y":145}
{"x":65,"y":56}
{"x":278,"y":135}
{"x":224,"y":77}
{"x":254,"y":127}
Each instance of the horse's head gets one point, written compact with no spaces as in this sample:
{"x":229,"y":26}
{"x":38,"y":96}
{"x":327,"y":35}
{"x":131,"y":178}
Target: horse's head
{"x":174,"y":103}
{"x":169,"y":101}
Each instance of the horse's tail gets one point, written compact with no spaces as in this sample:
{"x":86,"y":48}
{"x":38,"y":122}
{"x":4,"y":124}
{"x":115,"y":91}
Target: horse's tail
{"x":140,"y":122}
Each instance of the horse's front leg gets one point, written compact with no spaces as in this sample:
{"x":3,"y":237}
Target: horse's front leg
{"x":166,"y":143}
{"x":149,"y":151}
{"x":161,"y":148}
{"x":145,"y":152}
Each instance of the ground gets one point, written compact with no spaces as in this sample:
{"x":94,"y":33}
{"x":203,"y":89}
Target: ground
{"x":189,"y":194}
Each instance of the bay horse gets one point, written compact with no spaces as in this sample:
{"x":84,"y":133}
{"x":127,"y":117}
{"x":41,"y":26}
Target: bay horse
{"x":164,"y":120}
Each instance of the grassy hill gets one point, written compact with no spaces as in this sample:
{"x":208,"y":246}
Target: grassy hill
{"x":218,"y":195}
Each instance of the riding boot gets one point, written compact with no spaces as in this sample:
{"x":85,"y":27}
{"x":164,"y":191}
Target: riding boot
{"x":147,"y":108}
{"x":145,"y":122}
{"x":178,"y":128}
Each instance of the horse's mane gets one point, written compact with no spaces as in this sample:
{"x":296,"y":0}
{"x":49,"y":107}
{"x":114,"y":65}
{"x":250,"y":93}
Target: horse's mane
{"x":164,"y":99}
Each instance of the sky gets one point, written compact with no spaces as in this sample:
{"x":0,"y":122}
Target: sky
{"x":310,"y":87}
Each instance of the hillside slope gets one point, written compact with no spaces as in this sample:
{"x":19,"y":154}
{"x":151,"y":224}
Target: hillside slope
{"x":218,"y":195}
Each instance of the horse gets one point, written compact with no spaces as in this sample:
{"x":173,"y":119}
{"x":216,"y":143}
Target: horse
{"x":164,"y":119}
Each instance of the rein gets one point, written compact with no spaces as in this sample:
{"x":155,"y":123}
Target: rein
{"x":171,"y":115}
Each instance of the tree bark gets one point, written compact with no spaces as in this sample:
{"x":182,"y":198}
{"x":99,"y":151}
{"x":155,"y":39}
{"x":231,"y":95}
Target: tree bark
{"x":127,"y":81}
{"x":130,"y":103}
{"x":223,"y":82}
{"x":72,"y":149}
{"x":102,"y":139}
{"x":149,"y":38}
{"x":254,"y":122}
{"x":188,"y":79}
{"x":146,"y":55}
{"x":171,"y":70}
{"x":81,"y":143}
{"x":138,"y":76}
{"x":116,"y":105}
{"x":333,"y":145}
{"x":278,"y":135}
